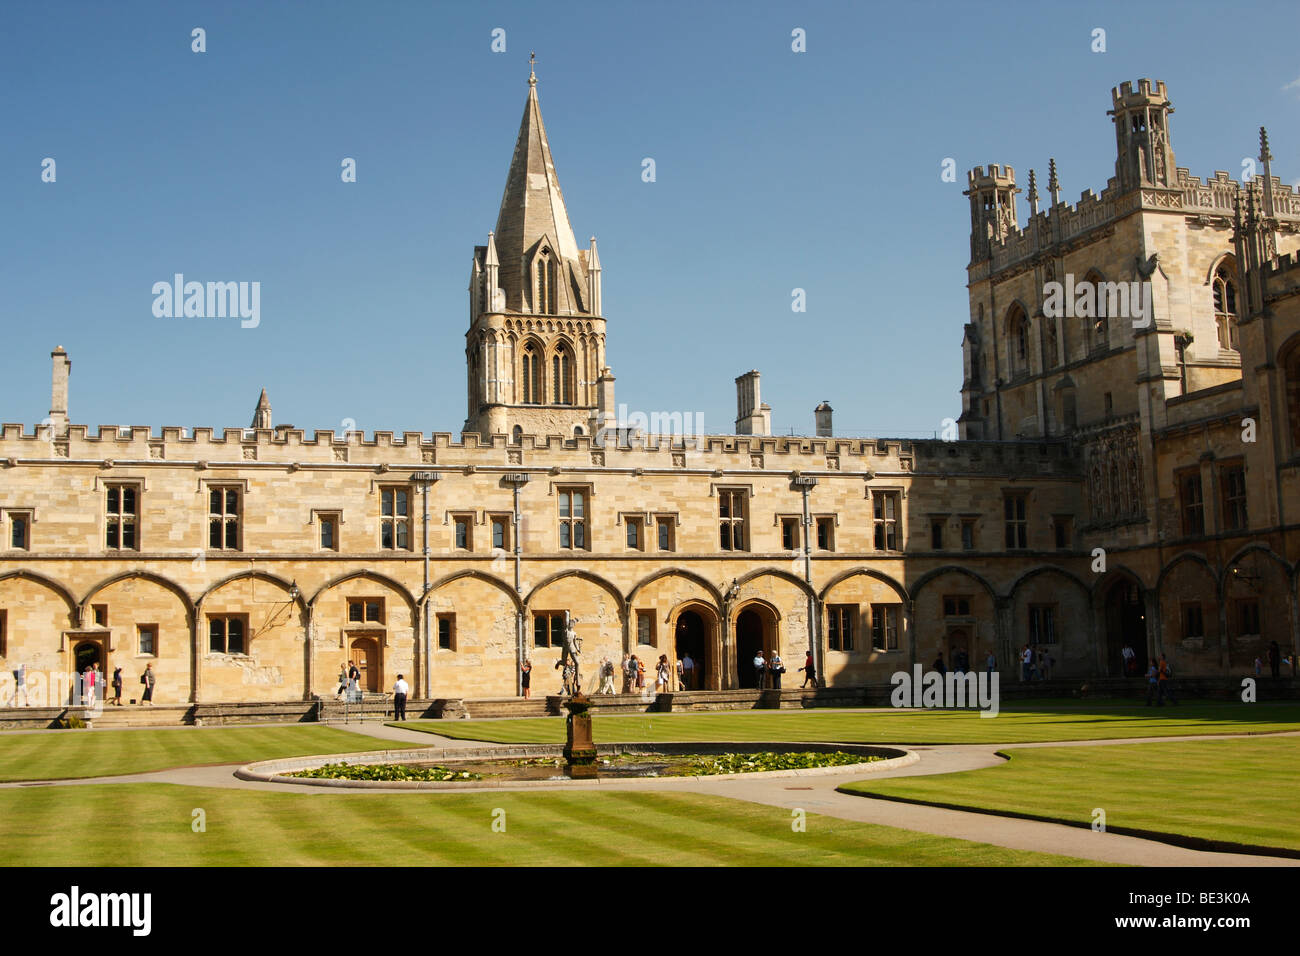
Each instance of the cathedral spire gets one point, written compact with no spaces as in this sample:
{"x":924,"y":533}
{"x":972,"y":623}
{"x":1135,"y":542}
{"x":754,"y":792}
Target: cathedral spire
{"x":541,"y":269}
{"x":262,"y":414}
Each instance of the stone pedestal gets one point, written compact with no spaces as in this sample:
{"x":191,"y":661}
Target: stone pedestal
{"x":579,"y":750}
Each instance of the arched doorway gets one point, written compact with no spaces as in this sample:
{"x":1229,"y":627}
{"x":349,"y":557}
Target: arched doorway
{"x":959,"y":649}
{"x":88,"y":654}
{"x":693,"y":635}
{"x":755,"y":631}
{"x":365,"y":654}
{"x":1126,"y":625}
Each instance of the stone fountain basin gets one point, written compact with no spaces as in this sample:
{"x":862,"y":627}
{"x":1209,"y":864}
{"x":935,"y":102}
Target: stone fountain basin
{"x":274,"y":771}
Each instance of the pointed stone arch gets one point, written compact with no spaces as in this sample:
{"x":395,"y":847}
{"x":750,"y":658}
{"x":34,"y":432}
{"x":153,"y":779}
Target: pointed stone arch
{"x":37,"y":578}
{"x":141,"y":574}
{"x":920,"y":583}
{"x":478,"y":576}
{"x":383,"y":579}
{"x":865,"y":572}
{"x":703,"y":582}
{"x":263,"y":575}
{"x":794,"y":579}
{"x":595,"y":579}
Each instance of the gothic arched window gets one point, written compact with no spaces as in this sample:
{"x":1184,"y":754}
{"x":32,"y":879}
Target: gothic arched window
{"x":1095,"y":320}
{"x":532,"y":376}
{"x":1018,"y":336}
{"x":562,"y":377}
{"x":1290,"y":362}
{"x":544,"y":283}
{"x":1225,"y":303}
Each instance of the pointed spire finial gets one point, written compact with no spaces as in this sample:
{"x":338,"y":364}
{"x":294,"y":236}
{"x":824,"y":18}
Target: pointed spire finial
{"x":532,"y":69}
{"x":1264,"y":154}
{"x":1033,"y":193}
{"x":1053,"y":184}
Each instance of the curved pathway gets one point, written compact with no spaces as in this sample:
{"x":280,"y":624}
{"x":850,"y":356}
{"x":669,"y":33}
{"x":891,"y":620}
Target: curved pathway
{"x":815,"y":794}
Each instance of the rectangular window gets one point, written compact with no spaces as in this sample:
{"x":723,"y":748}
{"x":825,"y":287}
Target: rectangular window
{"x":101,"y":615}
{"x":548,"y":628}
{"x":839,"y":630}
{"x":20,"y":525}
{"x":329,"y":532}
{"x":645,"y":627}
{"x":121,"y":511}
{"x":366,"y":610}
{"x":1061,"y":531}
{"x":665,"y":526}
{"x":936,"y":533}
{"x":731,"y":520}
{"x":825,"y":534}
{"x":790,"y":534}
{"x":884,"y":627}
{"x":1233,"y":482}
{"x":573,"y":519}
{"x":446,"y":632}
{"x":1190,"y":505}
{"x":956,"y":605}
{"x":223,"y":518}
{"x":968,"y":534}
{"x":4,"y":632}
{"x":226,"y":634}
{"x":500,"y":534}
{"x":1247,"y":618}
{"x":1017,"y":527}
{"x":395,"y":519}
{"x":463,"y":532}
{"x":1193,"y":621}
{"x":1042,"y":624}
{"x":633,"y":533}
{"x":146,"y":640}
{"x":885,"y":504}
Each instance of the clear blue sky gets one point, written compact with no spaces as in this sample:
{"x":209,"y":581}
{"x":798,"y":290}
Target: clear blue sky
{"x":775,"y":170}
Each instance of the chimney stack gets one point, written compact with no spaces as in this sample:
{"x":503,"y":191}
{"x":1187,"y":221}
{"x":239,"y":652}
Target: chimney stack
{"x":59,"y":392}
{"x":752,"y":416}
{"x":822,"y":414}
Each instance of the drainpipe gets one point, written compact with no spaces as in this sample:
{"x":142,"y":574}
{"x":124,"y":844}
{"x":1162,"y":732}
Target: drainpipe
{"x":425,"y":479}
{"x":516,"y":481}
{"x":803,"y":483}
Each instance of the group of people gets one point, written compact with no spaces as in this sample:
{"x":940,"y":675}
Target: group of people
{"x":1275,"y":659}
{"x":961,"y":662}
{"x":350,"y":682}
{"x":92,"y":684}
{"x":669,"y":676}
{"x":1036,"y":665}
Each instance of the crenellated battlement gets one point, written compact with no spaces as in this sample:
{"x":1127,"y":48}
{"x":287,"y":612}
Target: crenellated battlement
{"x":1123,"y":95}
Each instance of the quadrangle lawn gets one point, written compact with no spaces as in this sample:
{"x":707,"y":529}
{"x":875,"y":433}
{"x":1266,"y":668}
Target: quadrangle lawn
{"x":1241,"y":791}
{"x":1026,"y":722}
{"x":68,"y":754}
{"x":153,"y":825}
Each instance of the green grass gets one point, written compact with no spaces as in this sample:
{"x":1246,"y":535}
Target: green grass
{"x":1241,"y":791}
{"x":1027,"y":722}
{"x":97,"y":753}
{"x":148,"y":824}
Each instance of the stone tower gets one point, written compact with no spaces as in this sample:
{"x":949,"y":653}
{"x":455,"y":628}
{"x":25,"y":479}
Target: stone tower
{"x":1144,"y":155}
{"x":992,"y":208}
{"x":535,"y":349}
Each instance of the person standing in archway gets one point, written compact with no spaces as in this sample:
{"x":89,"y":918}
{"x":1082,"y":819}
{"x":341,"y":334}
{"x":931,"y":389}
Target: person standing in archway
{"x":117,"y":686}
{"x":776,"y":667}
{"x":688,"y":670}
{"x":760,"y":669}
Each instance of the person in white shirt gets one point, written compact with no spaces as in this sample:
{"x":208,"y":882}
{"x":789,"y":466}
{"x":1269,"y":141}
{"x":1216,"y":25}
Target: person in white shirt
{"x":400,"y":690}
{"x":760,"y":670}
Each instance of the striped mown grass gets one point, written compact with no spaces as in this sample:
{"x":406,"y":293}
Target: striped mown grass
{"x":1240,"y":791}
{"x":151,"y":824}
{"x":1031,"y":722}
{"x":95,"y":753}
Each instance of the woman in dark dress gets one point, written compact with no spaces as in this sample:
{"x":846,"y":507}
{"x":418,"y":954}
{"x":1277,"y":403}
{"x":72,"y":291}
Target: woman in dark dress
{"x":526,"y":670}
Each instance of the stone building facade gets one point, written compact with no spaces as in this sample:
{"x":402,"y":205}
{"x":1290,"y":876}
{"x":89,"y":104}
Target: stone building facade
{"x":247,"y":564}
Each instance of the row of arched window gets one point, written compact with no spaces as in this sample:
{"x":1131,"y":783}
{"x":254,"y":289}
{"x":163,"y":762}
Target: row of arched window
{"x":535,"y":387}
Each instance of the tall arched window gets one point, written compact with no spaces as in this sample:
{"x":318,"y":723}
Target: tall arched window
{"x":544,"y":283}
{"x":1225,"y":303}
{"x":532,"y":375}
{"x":1018,"y":338}
{"x":1291,"y":382}
{"x":1050,"y":346}
{"x":1095,"y":321}
{"x":516,"y":434}
{"x":562,"y":377}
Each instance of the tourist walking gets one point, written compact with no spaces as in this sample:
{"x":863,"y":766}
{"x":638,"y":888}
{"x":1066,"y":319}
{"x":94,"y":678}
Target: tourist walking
{"x":606,"y":676}
{"x":760,"y":669}
{"x":526,"y":678}
{"x":117,"y":686}
{"x":1026,"y":662}
{"x":639,"y":666}
{"x":1165,"y":681}
{"x":354,"y":681}
{"x":1153,"y":680}
{"x":628,"y":673}
{"x":148,"y":679}
{"x":20,"y":685}
{"x":341,"y":693}
{"x":400,"y":690}
{"x":688,"y":669}
{"x":991,"y":662}
{"x":1274,"y":660}
{"x":681,"y":675}
{"x":88,"y":686}
{"x":661,"y":675}
{"x":809,"y":672}
{"x":775,"y":667}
